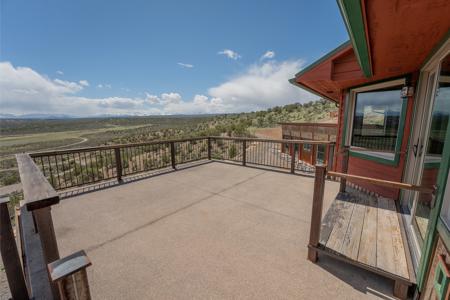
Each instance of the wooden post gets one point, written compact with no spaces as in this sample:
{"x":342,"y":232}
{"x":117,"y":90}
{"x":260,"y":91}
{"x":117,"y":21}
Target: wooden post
{"x":345,"y":155}
{"x":46,"y":231}
{"x":118,"y":164}
{"x":10,"y":255}
{"x":292,"y":158}
{"x":172,"y":154}
{"x":209,"y":148}
{"x":244,"y":152}
{"x":330,"y":154}
{"x":70,"y":275}
{"x":316,"y":214}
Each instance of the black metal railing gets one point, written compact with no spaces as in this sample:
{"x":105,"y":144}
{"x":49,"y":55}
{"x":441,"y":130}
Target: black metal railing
{"x":76,"y":167}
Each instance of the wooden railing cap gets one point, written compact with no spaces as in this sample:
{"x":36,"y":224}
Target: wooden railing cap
{"x":4,"y":200}
{"x":38,"y":192}
{"x":68,"y":265}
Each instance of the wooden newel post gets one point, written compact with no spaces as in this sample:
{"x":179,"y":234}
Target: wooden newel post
{"x":10,"y":255}
{"x":316,"y":214}
{"x":292,"y":158}
{"x":345,"y":155}
{"x":70,"y":275}
{"x":118,"y":164}
{"x":172,"y":155}
{"x":209,"y":148}
{"x":244,"y":152}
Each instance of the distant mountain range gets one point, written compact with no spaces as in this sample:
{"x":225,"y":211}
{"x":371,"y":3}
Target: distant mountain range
{"x":36,"y":116}
{"x":64,"y":116}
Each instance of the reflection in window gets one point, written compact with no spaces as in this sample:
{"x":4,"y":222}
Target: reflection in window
{"x":376,"y":119}
{"x":439,"y":121}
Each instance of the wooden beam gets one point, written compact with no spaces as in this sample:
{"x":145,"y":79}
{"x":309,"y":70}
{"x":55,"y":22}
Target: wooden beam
{"x":10,"y":255}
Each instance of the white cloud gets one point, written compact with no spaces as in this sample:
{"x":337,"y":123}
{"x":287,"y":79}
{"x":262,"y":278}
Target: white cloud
{"x":263,"y":85}
{"x":60,"y":72}
{"x":84,"y":82}
{"x":230,"y":54}
{"x":185,"y":65}
{"x":101,"y":85}
{"x":268,"y":55}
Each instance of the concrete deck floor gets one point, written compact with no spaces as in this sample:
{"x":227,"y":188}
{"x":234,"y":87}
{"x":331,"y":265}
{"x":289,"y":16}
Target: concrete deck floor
{"x":212,"y":231}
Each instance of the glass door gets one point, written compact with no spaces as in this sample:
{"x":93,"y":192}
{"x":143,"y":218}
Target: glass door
{"x":429,"y":148}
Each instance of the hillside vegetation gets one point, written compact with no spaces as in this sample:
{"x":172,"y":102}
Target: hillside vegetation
{"x":38,"y":135}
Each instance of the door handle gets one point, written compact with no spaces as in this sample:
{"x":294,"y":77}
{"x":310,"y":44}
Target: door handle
{"x":415,"y":147}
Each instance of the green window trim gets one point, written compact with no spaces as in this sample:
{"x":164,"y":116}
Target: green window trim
{"x":441,"y":280}
{"x":398,"y":143}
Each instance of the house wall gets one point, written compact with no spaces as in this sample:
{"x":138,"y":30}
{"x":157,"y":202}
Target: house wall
{"x":372,"y":168}
{"x":428,"y":292}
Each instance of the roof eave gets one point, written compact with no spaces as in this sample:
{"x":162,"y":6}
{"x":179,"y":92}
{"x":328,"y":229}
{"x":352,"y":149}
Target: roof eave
{"x":294,"y":82}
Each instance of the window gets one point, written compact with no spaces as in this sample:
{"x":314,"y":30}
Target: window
{"x":376,"y":119}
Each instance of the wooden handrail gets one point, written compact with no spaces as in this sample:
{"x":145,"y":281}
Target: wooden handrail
{"x":311,"y":142}
{"x":108,"y":147}
{"x":387,"y":183}
{"x":38,"y":192}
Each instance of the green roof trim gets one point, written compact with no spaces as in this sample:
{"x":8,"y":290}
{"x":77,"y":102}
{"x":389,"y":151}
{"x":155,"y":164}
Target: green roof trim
{"x":323,"y":58}
{"x":351,"y":11}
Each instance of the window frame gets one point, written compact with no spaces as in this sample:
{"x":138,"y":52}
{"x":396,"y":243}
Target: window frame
{"x":384,"y":157}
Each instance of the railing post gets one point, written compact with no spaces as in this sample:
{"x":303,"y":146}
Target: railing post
{"x":244,"y":152}
{"x":46,"y":231}
{"x":10,"y":255}
{"x":172,"y":154}
{"x":345,"y":155}
{"x":293,"y":158}
{"x":316,"y":214}
{"x":70,"y":275}
{"x":118,"y":164}
{"x":209,"y":148}
{"x":330,"y":159}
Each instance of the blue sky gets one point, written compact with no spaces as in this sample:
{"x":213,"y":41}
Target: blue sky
{"x":159,"y":56}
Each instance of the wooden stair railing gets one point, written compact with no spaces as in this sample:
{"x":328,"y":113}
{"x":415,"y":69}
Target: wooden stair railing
{"x":39,"y":197}
{"x":67,"y":276}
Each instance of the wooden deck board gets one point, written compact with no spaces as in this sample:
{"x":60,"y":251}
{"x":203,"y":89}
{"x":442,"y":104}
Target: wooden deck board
{"x":365,"y":229}
{"x":368,"y":243}
{"x":341,"y":223}
{"x":350,"y":245}
{"x":329,"y":220}
{"x":385,"y":253}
